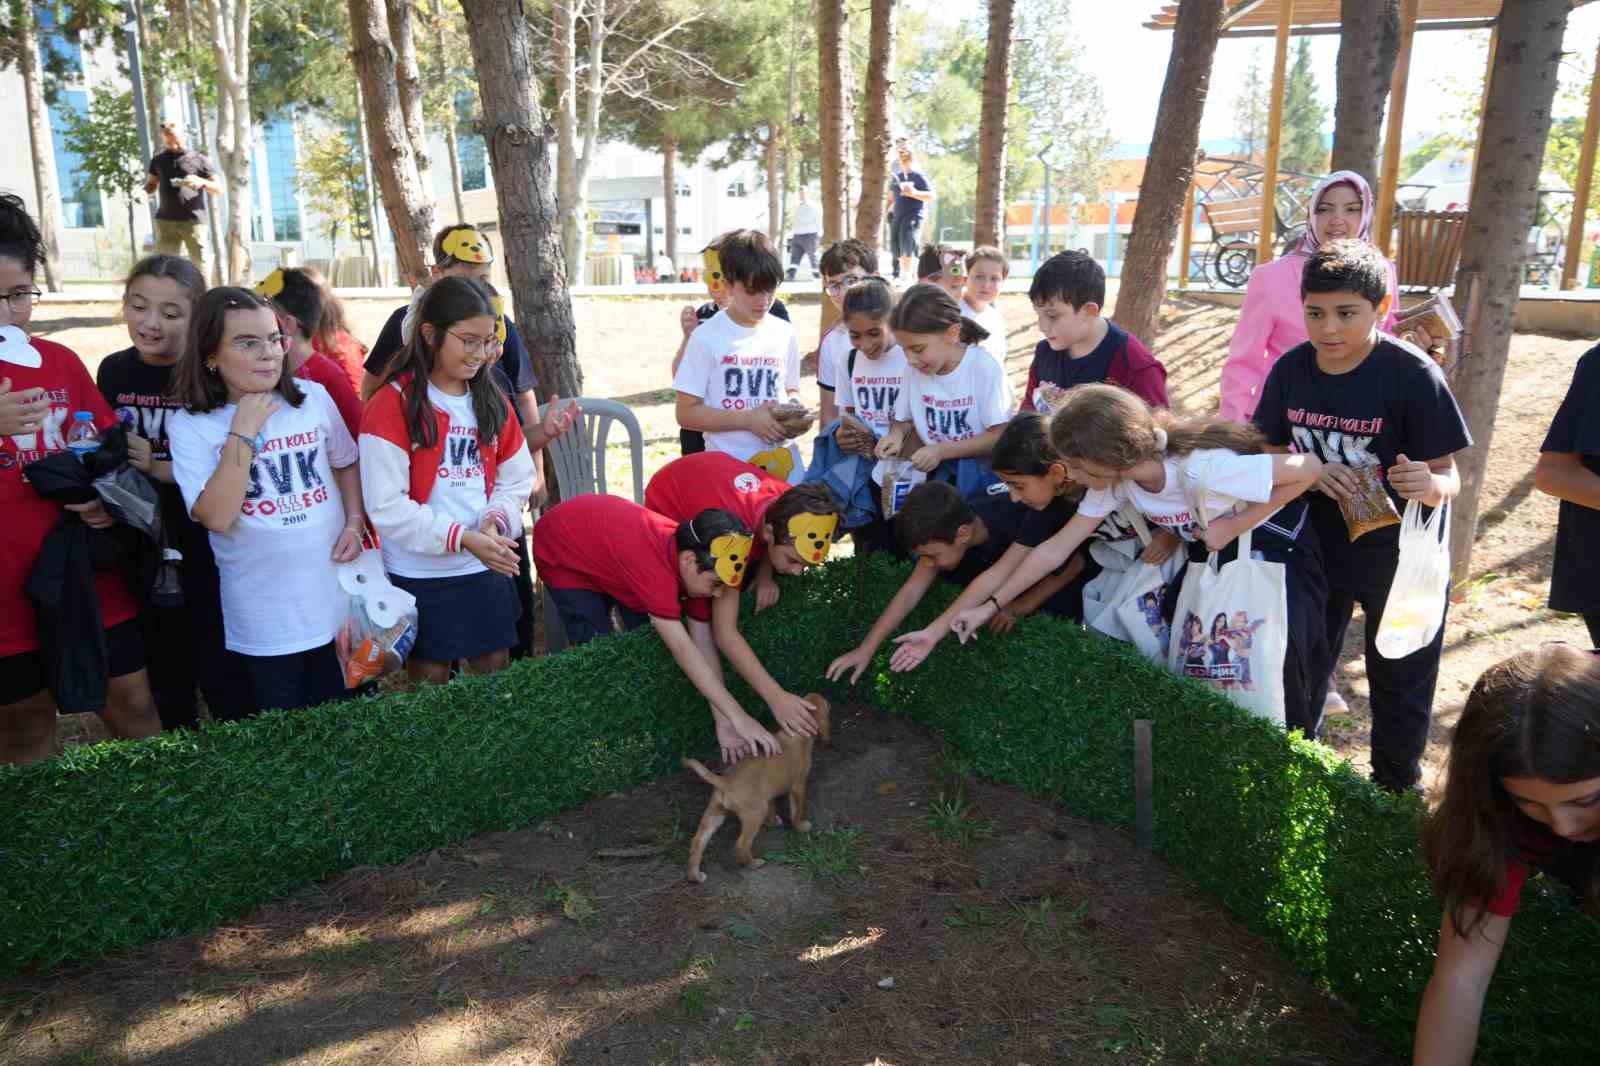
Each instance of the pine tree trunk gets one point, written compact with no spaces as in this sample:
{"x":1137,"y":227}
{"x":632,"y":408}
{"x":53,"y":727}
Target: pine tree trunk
{"x":379,"y":268}
{"x":154,"y":91}
{"x":1369,"y":44}
{"x":772,"y":154}
{"x":1170,"y":167}
{"x":181,"y":11}
{"x":992,"y":125}
{"x":451,"y":142}
{"x":669,"y":197}
{"x":229,"y":24}
{"x":830,"y":114}
{"x":1505,"y":195}
{"x":569,"y":190}
{"x":876,"y":121}
{"x":408,"y":207}
{"x":48,"y":207}
{"x":518,"y":136}
{"x":408,"y":82}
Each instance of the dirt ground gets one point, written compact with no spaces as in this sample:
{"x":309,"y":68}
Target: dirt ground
{"x":926,"y":919}
{"x":626,"y":348}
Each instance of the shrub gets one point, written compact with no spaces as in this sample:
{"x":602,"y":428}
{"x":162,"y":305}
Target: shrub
{"x":111,"y":846}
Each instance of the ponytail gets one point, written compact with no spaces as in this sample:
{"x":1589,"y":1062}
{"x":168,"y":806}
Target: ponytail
{"x":1109,"y":426}
{"x":927,"y":308}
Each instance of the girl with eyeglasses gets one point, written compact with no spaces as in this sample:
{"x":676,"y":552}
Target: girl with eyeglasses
{"x":446,"y":475}
{"x":266,"y":463}
{"x":42,"y":386}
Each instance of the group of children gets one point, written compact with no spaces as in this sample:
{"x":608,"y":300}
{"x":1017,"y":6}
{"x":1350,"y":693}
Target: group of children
{"x":270,"y":477}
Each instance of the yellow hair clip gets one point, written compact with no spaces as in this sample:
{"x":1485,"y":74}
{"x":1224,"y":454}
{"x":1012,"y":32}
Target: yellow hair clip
{"x":271,"y":285}
{"x":730,"y":554}
{"x":714,"y":280}
{"x":467,"y":245}
{"x":813,"y":535}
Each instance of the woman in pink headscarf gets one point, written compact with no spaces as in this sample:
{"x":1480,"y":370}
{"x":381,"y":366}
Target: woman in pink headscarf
{"x":1271,"y":321}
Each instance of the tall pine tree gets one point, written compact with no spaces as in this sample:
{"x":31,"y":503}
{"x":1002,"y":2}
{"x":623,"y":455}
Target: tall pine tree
{"x":1304,"y":148}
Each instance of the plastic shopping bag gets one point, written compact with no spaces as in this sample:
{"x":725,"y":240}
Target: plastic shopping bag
{"x":380,"y":621}
{"x":1125,"y":601}
{"x":1415,"y":608}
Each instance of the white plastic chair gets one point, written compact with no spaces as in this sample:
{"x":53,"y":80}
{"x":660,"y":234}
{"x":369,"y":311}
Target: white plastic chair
{"x":579,"y":456}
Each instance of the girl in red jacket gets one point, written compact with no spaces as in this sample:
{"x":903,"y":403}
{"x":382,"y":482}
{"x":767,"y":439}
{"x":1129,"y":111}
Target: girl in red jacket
{"x":446,"y":475}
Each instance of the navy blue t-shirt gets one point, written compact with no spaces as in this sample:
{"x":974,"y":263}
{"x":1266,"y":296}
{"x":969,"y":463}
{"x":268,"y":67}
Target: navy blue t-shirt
{"x":1575,"y":577}
{"x":1060,"y":368}
{"x":1396,"y":402}
{"x":909,"y":207}
{"x":513,"y":370}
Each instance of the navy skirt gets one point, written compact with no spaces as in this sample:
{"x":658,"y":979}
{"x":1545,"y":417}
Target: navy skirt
{"x":462,"y":617}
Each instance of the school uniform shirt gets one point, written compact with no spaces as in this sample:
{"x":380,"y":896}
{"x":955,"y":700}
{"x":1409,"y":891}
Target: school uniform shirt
{"x":513,"y":371}
{"x":736,"y":368}
{"x":280,"y":591}
{"x":1540,"y":851}
{"x":685,"y":487}
{"x":956,"y":406}
{"x":831,"y":356}
{"x":612,"y":546}
{"x":1229,"y":480}
{"x":1120,"y":358}
{"x":28,"y":517}
{"x":422,"y":513}
{"x":137,"y":393}
{"x":874,"y":387}
{"x":1006,"y":522}
{"x":990,"y":319}
{"x":1395,"y":402}
{"x":1575,"y":577}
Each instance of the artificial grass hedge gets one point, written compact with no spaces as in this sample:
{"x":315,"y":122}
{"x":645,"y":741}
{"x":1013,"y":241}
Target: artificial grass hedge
{"x":115,"y":845}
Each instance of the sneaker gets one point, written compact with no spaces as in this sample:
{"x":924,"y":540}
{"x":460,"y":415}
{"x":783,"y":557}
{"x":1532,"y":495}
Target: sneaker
{"x":1334,"y":704}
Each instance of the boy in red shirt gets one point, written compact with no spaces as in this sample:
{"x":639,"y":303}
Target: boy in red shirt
{"x":794,"y":527}
{"x":595,"y":552}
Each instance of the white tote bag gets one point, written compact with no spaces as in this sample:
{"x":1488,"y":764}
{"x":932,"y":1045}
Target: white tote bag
{"x":1415,"y":608}
{"x":1230,"y":628}
{"x":1125,"y":601}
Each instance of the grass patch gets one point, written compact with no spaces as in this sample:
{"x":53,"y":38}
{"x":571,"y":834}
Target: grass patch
{"x":828,"y":854}
{"x":952,"y":822}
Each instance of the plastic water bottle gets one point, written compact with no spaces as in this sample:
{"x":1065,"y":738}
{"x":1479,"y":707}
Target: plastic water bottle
{"x":82,"y":437}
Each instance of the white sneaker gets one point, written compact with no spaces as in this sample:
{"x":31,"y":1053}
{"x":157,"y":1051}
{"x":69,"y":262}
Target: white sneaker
{"x":1335,"y":704}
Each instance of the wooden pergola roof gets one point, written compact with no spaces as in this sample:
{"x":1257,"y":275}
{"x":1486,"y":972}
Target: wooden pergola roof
{"x":1259,"y":18}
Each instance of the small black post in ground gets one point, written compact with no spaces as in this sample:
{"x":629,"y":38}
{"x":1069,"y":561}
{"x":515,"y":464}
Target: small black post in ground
{"x":1143,"y":784}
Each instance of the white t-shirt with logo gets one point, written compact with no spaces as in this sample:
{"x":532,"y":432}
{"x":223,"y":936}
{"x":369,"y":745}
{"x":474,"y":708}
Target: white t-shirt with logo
{"x":970,"y":399}
{"x":1229,"y":479}
{"x":280,"y":592}
{"x":459,"y":493}
{"x":874,"y":389}
{"x":735,"y":368}
{"x":992,"y":320}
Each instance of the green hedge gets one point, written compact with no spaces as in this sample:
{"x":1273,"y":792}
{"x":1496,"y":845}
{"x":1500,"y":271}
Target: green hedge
{"x":115,"y":845}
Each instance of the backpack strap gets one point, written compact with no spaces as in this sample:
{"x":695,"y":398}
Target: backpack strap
{"x":1134,"y":518}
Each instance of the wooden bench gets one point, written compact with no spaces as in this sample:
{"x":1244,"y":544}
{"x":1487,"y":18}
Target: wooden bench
{"x":1229,"y":218}
{"x":1430,"y":248}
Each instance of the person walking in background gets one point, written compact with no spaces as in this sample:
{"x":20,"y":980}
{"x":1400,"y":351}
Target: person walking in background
{"x":180,"y":178}
{"x":807,"y":225}
{"x":909,"y":193}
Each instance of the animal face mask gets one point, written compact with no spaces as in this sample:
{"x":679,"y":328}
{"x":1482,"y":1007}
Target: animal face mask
{"x":813,"y":535}
{"x":730,"y":554}
{"x":714,"y":279}
{"x":271,"y":285}
{"x":779,"y":462}
{"x":954,"y":266}
{"x":499,"y":305}
{"x":467,"y":245}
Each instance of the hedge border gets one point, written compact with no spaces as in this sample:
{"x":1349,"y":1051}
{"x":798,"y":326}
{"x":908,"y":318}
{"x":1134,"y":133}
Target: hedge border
{"x":118,"y":844}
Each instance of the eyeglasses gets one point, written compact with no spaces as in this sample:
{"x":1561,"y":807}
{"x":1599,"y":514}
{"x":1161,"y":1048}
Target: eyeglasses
{"x":477,"y":345}
{"x":22,"y":299}
{"x":834,"y":288}
{"x":255,"y":347}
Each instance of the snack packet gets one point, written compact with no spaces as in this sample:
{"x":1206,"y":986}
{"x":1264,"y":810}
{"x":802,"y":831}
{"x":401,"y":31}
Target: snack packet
{"x":899,"y":478}
{"x":1048,"y":398}
{"x":794,"y":418}
{"x":1370,"y":507}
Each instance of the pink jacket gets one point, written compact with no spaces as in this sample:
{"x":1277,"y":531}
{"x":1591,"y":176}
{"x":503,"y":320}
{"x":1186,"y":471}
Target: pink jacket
{"x":1270,"y":323}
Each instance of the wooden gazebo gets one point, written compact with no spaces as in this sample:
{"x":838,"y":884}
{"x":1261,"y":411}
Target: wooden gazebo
{"x":1282,"y":19}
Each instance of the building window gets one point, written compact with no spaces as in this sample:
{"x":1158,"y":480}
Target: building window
{"x":281,"y":171}
{"x":80,"y":197}
{"x":471,"y":150}
{"x":736,"y":189}
{"x":683,"y":189}
{"x":59,"y":52}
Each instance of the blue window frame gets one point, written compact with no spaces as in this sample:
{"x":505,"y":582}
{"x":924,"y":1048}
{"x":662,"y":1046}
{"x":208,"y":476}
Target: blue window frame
{"x":58,"y":51}
{"x":281,"y":170}
{"x":471,"y":150}
{"x":81,"y":207}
